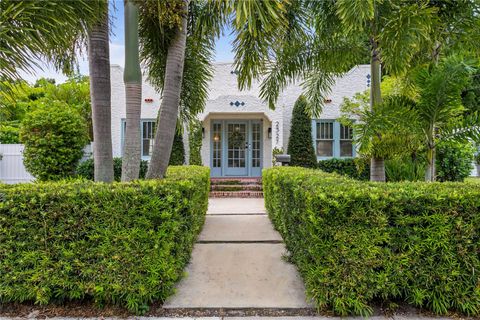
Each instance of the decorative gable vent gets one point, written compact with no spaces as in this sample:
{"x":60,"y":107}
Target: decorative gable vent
{"x":237,"y":103}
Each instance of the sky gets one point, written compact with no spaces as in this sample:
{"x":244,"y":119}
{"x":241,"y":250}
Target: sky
{"x":223,"y":51}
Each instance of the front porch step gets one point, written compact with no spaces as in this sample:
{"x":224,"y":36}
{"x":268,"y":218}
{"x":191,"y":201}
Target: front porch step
{"x":235,"y":181}
{"x":236,"y":187}
{"x":236,"y":194}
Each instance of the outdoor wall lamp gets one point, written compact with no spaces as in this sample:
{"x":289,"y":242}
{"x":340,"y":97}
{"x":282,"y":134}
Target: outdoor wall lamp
{"x":270,"y":133}
{"x":203,"y":132}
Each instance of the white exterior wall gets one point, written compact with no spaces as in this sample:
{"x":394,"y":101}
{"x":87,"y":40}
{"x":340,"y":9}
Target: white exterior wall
{"x":149,"y":109}
{"x":347,"y":86}
{"x":222,"y":91}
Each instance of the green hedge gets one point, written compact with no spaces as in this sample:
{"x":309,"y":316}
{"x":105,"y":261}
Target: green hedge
{"x":86,"y":169}
{"x":356,"y":242}
{"x":120,"y":243}
{"x":356,"y":168}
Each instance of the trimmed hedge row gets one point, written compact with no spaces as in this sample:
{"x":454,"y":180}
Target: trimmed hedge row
{"x":120,"y":243}
{"x":355,"y":242}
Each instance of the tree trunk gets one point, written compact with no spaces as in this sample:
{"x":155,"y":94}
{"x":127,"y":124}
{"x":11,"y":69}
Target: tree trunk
{"x":377,"y":165}
{"x":132,"y":77}
{"x":99,"y":68}
{"x":430,"y":172}
{"x":168,"y":113}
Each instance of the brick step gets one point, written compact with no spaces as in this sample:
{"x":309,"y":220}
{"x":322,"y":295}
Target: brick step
{"x":235,"y":181}
{"x":236,"y":194}
{"x":236,"y":187}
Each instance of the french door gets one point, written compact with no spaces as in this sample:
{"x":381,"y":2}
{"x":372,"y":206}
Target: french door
{"x":236,"y":148}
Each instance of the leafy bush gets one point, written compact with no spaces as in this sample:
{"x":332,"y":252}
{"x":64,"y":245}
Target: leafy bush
{"x":454,"y":160}
{"x":356,"y":168}
{"x":300,"y":145}
{"x":85,"y":169}
{"x":354,"y":242}
{"x":9,"y":134}
{"x":177,"y":156}
{"x":404,"y":169}
{"x":120,"y":243}
{"x":54,"y":136}
{"x":195,"y":140}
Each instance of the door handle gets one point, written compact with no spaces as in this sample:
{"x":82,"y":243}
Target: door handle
{"x":247,"y":145}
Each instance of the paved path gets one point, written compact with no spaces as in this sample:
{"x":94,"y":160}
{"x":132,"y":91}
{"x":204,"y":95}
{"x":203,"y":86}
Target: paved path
{"x":237,"y":262}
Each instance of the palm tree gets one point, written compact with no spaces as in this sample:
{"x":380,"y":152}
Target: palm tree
{"x":168,"y":113}
{"x":439,"y":106}
{"x":55,"y":31}
{"x":51,"y":31}
{"x":133,"y":95}
{"x":324,"y":39}
{"x":100,"y":94}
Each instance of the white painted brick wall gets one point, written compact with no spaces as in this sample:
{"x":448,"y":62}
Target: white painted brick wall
{"x":223,"y":90}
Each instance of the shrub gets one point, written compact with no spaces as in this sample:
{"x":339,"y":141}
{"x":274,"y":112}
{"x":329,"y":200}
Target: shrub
{"x":300,"y":145}
{"x":404,"y":169}
{"x":195,"y":140}
{"x":85,"y":169}
{"x":120,"y":243}
{"x":354,"y":242}
{"x":9,"y":134}
{"x":356,"y":168}
{"x":177,"y":156}
{"x":454,"y":160}
{"x":54,"y":136}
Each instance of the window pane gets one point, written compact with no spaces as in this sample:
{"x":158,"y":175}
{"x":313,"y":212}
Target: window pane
{"x":346,"y":148}
{"x":325,"y":148}
{"x":346,"y":132}
{"x":325,"y":130}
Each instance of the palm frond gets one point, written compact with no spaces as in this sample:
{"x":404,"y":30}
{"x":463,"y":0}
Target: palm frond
{"x":51,"y":31}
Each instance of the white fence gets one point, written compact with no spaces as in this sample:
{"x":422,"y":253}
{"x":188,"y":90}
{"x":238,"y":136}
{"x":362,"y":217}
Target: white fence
{"x":12,"y":169}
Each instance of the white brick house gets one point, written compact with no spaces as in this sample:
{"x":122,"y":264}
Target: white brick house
{"x":240,"y":131}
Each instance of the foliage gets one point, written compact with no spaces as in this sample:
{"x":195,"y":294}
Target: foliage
{"x":390,"y":130}
{"x":52,"y":31}
{"x":24,"y":98}
{"x":85,"y":169}
{"x":9,"y":134}
{"x":54,"y":137}
{"x":195,"y":140}
{"x":357,"y":242}
{"x":157,"y":23}
{"x":454,"y":160}
{"x":177,"y":157}
{"x":122,"y":243}
{"x":477,"y":158}
{"x":357,"y":168}
{"x":300,"y":146}
{"x":405,"y":169}
{"x":276,"y":151}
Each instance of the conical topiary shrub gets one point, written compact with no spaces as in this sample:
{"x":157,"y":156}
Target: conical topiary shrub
{"x":177,"y":157}
{"x":300,"y":146}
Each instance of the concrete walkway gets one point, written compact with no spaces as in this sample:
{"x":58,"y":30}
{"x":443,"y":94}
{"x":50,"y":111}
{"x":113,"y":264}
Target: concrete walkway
{"x":237,"y":262}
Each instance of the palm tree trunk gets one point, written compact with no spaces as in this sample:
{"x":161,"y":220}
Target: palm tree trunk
{"x":100,"y":94}
{"x":430,"y":172}
{"x":132,"y":77}
{"x":168,"y":113}
{"x":377,"y":164}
